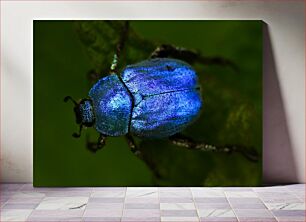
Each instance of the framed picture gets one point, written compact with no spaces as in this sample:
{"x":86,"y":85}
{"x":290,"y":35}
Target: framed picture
{"x":147,"y":103}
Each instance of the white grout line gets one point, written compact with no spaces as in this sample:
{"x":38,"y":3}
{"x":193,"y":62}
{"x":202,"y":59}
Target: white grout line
{"x":194,"y":203}
{"x":5,"y":202}
{"x":266,"y":206}
{"x":158,"y":196}
{"x":294,"y":194}
{"x":123,"y":207}
{"x":91,"y":192}
{"x":230,"y":205}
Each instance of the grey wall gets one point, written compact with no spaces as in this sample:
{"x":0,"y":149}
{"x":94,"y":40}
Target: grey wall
{"x":284,"y":72}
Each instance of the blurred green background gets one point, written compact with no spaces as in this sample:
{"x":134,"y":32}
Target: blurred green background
{"x":65,"y":51}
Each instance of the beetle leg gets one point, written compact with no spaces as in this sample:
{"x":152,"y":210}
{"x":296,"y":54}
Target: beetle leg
{"x":132,"y":145}
{"x":119,"y":48}
{"x":183,"y":141}
{"x":94,"y":147}
{"x":165,"y":50}
{"x":190,"y":56}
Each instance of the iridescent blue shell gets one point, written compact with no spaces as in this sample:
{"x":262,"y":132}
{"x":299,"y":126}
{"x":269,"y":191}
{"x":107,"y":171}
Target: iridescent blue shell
{"x":112,"y":105}
{"x":166,"y":96}
{"x":155,"y":98}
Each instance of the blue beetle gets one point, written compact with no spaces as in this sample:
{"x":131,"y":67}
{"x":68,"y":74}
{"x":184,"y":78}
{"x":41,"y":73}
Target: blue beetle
{"x":155,"y":98}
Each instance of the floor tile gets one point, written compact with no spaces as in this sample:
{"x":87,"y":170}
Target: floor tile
{"x":55,"y":219}
{"x":176,"y":193}
{"x":177,"y":206}
{"x":218,"y":219}
{"x":210,"y":200}
{"x":3,"y":200}
{"x":216,"y":213}
{"x":91,"y":205}
{"x":236,"y":205}
{"x":106,"y":200}
{"x":57,"y":213}
{"x":179,"y":219}
{"x":109,"y":189}
{"x":62,"y":203}
{"x":14,"y":214}
{"x":140,"y":219}
{"x":24,"y":194}
{"x":10,"y":186}
{"x":27,"y":187}
{"x":109,"y":194}
{"x":274,"y":197}
{"x":141,"y":213}
{"x":67,"y":193}
{"x":141,"y":206}
{"x":279,"y":189}
{"x":103,"y":212}
{"x":101,"y":219}
{"x":280,"y":200}
{"x":238,"y":189}
{"x":29,"y":200}
{"x":224,"y":205}
{"x":30,"y":188}
{"x":172,"y":189}
{"x":206,"y":192}
{"x":301,"y":187}
{"x":254,"y":219}
{"x":176,"y":200}
{"x":254,"y":213}
{"x":285,"y":206}
{"x":290,"y":219}
{"x":289,"y":213}
{"x":244,"y":200}
{"x":142,"y":200}
{"x":142,"y":192}
{"x":178,"y":213}
{"x":240,"y":194}
{"x":20,"y":206}
{"x":300,"y":195}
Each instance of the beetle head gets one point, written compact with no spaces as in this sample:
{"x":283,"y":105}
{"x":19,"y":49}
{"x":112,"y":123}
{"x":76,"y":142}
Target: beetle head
{"x":83,"y":113}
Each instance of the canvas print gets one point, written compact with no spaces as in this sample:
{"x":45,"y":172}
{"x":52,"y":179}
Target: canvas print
{"x":147,"y":103}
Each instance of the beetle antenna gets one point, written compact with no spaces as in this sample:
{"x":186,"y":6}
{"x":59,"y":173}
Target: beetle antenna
{"x":77,"y":135}
{"x":70,"y":98}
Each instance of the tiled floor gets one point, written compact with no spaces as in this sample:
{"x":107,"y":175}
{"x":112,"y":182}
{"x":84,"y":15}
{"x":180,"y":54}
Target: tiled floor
{"x":22,"y":202}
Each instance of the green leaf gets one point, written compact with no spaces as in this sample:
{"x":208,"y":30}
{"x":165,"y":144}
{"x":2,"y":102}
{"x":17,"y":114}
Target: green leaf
{"x":100,"y":39}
